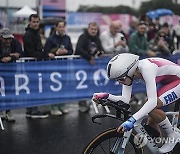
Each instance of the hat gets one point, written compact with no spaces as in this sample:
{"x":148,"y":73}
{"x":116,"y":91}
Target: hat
{"x":6,"y":33}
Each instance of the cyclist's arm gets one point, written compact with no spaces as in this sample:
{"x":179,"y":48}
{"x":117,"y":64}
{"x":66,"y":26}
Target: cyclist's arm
{"x":149,"y":77}
{"x":126,"y":95}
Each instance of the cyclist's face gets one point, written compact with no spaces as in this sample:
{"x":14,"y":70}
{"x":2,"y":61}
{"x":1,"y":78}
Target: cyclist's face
{"x":125,"y":80}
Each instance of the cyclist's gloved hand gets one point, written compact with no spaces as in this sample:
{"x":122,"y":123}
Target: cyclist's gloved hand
{"x":100,"y":95}
{"x":127,"y":125}
{"x":97,"y":96}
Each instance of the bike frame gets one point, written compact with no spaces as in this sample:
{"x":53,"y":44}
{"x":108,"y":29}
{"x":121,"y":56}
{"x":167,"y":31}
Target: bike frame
{"x":120,"y":144}
{"x":139,"y":129}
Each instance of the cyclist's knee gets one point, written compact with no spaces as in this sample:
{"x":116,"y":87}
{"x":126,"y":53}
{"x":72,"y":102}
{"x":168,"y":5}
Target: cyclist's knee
{"x":150,"y":121}
{"x":159,"y":104}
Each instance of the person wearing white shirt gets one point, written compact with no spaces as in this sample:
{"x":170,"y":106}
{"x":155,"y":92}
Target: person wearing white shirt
{"x":112,"y":40}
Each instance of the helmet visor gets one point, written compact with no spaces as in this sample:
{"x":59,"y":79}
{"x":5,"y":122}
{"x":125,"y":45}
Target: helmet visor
{"x":122,"y":77}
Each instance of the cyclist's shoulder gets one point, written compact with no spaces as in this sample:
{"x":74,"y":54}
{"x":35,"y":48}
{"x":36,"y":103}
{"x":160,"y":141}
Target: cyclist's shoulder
{"x":146,"y":66}
{"x":160,"y":61}
{"x":145,"y":62}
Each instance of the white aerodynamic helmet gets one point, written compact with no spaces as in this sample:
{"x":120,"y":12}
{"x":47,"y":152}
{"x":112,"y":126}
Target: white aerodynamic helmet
{"x":122,"y":65}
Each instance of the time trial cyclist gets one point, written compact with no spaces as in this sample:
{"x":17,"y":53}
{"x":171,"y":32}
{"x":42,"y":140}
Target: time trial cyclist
{"x":125,"y":68}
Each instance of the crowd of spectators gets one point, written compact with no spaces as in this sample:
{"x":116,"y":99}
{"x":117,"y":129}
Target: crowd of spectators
{"x":145,"y":39}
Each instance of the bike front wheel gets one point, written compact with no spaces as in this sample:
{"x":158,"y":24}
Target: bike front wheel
{"x":102,"y":143}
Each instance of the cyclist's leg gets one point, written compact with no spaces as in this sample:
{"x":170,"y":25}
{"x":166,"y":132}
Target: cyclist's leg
{"x":152,"y":115}
{"x":167,"y":95}
{"x":163,"y":95}
{"x":154,"y":124}
{"x":157,"y":114}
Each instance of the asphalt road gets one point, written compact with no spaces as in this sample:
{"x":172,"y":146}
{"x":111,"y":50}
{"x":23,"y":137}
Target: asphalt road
{"x":67,"y":134}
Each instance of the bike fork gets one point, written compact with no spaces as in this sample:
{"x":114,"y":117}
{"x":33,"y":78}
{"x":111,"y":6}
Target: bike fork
{"x":120,"y":143}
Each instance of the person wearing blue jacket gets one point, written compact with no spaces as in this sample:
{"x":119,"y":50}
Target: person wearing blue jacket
{"x":58,"y":44}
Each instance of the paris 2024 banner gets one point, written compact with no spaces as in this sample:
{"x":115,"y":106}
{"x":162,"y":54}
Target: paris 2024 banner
{"x":35,"y":83}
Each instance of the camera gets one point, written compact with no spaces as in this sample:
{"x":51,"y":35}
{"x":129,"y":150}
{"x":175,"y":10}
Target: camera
{"x":123,"y":38}
{"x":62,"y":47}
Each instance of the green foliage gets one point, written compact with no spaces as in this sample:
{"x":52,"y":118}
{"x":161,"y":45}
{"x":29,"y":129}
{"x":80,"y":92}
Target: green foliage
{"x":108,"y":10}
{"x":145,"y":7}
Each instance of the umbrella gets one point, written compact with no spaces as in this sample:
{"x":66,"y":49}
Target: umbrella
{"x":50,"y":21}
{"x":159,"y":13}
{"x":25,"y":11}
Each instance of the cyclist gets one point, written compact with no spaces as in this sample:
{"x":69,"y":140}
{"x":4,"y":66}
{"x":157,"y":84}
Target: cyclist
{"x":125,"y":68}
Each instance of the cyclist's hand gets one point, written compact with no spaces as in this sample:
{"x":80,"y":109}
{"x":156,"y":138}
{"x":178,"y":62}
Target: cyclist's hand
{"x":100,"y":95}
{"x":127,"y":125}
{"x":97,"y":96}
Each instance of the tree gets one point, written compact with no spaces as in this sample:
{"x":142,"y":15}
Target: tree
{"x":119,"y":9}
{"x":145,"y":7}
{"x":157,"y":4}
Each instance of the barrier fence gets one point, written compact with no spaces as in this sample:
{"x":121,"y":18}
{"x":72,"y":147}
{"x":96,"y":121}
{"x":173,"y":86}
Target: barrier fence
{"x":29,"y":82}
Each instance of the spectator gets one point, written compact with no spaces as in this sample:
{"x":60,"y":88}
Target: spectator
{"x":159,"y":44}
{"x":157,"y":24}
{"x":32,"y":41}
{"x":10,"y":50}
{"x":88,"y":47}
{"x":138,"y":43}
{"x":169,"y":36}
{"x":33,"y":48}
{"x":42,"y":34}
{"x":89,"y":44}
{"x":59,"y":43}
{"x":113,"y":41}
{"x":151,"y":31}
{"x":56,"y":45}
{"x":132,"y":27}
{"x":177,"y":34}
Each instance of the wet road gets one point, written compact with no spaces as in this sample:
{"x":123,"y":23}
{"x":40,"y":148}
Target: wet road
{"x":67,"y":134}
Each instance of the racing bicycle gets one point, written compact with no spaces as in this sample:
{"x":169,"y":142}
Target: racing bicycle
{"x":130,"y":142}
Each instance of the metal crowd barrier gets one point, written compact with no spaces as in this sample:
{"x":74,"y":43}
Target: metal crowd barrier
{"x":24,"y":59}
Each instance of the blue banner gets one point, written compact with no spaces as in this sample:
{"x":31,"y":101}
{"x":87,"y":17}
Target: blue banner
{"x":76,"y":18}
{"x":35,"y":83}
